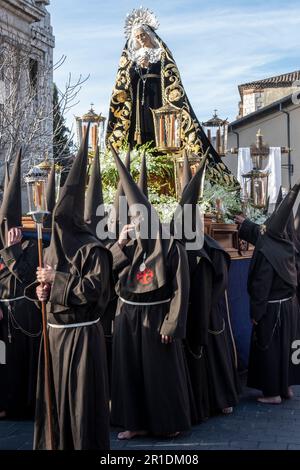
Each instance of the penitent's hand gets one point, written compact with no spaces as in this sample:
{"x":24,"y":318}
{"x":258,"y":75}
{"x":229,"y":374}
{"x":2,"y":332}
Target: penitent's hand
{"x":14,"y":236}
{"x":45,"y":275}
{"x":124,"y":236}
{"x":166,"y":339}
{"x":43,"y":292}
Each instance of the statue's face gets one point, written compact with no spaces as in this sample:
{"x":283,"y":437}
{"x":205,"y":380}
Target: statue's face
{"x":142,"y":38}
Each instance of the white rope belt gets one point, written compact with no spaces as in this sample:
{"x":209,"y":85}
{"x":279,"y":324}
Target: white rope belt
{"x":145,"y":303}
{"x":74,"y":325}
{"x":12,"y":300}
{"x":279,"y":301}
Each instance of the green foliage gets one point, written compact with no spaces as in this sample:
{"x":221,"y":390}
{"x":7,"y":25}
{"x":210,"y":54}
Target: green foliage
{"x":160,"y":169}
{"x":161,"y":188}
{"x":230,"y":200}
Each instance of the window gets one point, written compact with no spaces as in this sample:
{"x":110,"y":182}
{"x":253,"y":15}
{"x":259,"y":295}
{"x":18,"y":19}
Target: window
{"x":33,"y":73}
{"x":2,"y":92}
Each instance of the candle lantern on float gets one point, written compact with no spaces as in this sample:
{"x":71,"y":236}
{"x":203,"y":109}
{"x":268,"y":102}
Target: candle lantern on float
{"x":216,"y":131}
{"x":167,"y":128}
{"x":256,"y":181}
{"x":97,"y":122}
{"x":36,"y":181}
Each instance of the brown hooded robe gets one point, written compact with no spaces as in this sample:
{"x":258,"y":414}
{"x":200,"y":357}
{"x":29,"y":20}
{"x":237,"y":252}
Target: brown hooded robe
{"x":20,"y":328}
{"x":149,"y":383}
{"x":79,"y":294}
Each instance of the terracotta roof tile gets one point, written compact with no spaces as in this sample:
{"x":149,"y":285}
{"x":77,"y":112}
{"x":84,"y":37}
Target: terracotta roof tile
{"x":286,"y":79}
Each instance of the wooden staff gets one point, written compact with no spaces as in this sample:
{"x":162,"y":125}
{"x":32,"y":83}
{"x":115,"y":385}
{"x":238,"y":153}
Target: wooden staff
{"x":46,"y":348}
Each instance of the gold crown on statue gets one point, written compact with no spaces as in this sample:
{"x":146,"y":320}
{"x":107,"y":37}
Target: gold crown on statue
{"x":138,"y":17}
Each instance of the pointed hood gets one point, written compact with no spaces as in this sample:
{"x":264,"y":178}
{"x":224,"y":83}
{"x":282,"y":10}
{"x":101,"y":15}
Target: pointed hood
{"x":267,"y":206}
{"x":11,"y":209}
{"x":143,"y":180}
{"x":279,"y":198}
{"x":69,"y":231}
{"x":94,"y":195}
{"x":147,"y":271}
{"x":50,"y":196}
{"x":290,"y":230}
{"x":183,"y":225}
{"x":275,"y":245}
{"x":276,"y":224}
{"x":187,"y":173}
{"x":113,"y":220}
{"x":297,"y":222}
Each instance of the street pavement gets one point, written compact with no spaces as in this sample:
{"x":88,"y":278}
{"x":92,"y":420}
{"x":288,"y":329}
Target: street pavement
{"x":251,"y":426}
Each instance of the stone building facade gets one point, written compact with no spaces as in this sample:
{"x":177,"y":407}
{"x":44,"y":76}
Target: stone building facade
{"x":26,"y":31}
{"x":279,"y":123}
{"x":258,"y":94}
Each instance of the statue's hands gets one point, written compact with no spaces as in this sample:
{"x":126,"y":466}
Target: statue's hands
{"x":144,"y":62}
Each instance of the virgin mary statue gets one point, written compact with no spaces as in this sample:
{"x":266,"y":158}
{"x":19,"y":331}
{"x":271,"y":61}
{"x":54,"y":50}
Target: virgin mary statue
{"x":147,"y":78}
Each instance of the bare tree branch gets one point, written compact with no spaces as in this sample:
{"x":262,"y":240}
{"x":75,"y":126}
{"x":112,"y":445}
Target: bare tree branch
{"x":27,"y":112}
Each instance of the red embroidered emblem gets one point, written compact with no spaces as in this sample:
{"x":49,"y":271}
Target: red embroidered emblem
{"x":145,"y":277}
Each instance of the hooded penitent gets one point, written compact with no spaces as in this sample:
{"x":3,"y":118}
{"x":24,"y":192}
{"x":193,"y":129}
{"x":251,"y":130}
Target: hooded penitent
{"x":143,"y":179}
{"x":50,"y":196}
{"x":274,"y":243}
{"x":148,"y":269}
{"x":94,"y":195}
{"x":11,"y":209}
{"x":69,"y":231}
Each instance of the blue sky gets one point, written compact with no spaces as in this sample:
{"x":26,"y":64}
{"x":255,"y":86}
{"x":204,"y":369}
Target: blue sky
{"x":217,"y":46}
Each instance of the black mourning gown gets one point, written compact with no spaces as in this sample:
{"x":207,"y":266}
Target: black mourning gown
{"x":152,"y":99}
